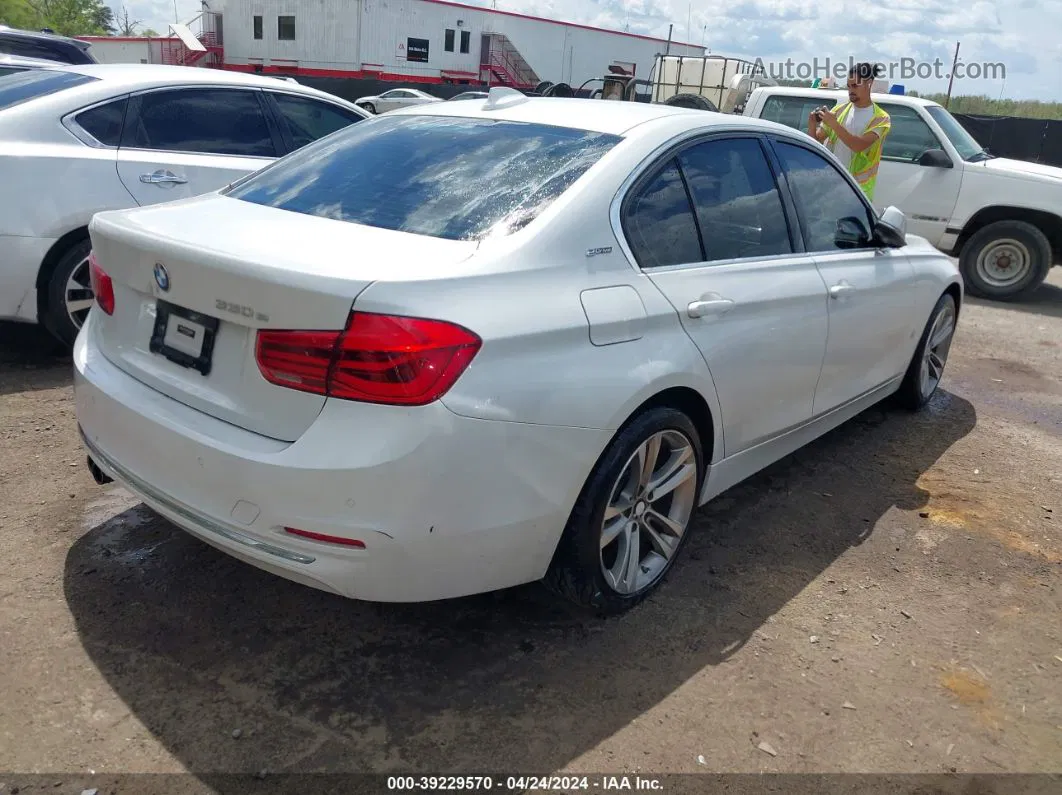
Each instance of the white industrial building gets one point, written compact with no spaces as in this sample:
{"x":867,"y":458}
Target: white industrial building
{"x":429,"y":41}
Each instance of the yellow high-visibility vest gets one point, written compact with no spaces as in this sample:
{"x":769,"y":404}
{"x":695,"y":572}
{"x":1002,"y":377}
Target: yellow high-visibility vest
{"x":864,"y":165}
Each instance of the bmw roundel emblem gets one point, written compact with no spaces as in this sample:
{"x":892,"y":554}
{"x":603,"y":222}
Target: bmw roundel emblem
{"x":162,"y":278}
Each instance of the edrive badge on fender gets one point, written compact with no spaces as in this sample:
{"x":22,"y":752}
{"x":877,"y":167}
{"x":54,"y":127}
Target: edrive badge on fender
{"x":162,"y":278}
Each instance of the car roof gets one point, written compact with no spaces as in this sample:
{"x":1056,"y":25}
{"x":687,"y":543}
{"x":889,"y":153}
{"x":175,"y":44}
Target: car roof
{"x":591,"y":115}
{"x":138,"y":74}
{"x":834,"y":93}
{"x":38,"y":34}
{"x":21,"y":60}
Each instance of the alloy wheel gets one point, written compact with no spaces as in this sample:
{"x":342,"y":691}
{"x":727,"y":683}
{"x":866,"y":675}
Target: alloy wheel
{"x":78,"y":296}
{"x":650,"y":507}
{"x":938,"y":345}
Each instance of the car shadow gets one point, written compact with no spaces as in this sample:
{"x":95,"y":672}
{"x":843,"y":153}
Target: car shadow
{"x":1046,"y":300}
{"x":31,"y":359}
{"x":199,"y":646}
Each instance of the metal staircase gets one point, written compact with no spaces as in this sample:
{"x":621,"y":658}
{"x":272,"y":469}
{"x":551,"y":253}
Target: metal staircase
{"x":209,"y":35}
{"x":502,"y":64}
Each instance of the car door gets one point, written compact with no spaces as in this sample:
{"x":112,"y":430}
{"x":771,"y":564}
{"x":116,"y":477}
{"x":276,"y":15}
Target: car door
{"x":926,"y":194}
{"x":180,"y":142}
{"x":870,"y":287}
{"x":306,"y":119}
{"x":708,"y":227}
{"x":389,"y":100}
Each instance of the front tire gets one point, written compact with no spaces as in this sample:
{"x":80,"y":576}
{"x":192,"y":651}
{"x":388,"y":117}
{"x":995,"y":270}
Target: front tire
{"x":370,"y":107}
{"x":69,"y":295}
{"x":931,"y":356}
{"x":632,"y":517}
{"x":1005,"y":261}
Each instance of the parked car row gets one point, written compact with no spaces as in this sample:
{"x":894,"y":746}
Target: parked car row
{"x":77,"y":140}
{"x":463,"y":345}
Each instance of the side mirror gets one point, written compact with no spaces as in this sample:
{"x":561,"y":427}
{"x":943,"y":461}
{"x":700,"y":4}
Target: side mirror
{"x":935,"y":158}
{"x":851,"y":233}
{"x":890,"y":229}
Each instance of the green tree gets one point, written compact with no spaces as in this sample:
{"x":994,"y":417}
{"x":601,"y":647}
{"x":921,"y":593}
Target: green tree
{"x":19,"y":14}
{"x":73,"y":17}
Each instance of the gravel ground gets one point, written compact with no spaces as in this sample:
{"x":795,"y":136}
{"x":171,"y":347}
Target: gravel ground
{"x":887,"y":599}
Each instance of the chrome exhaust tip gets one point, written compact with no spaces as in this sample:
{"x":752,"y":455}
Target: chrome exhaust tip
{"x":97,"y":473}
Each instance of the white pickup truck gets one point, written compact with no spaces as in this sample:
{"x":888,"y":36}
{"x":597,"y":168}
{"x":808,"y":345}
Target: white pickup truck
{"x":1002,"y":218}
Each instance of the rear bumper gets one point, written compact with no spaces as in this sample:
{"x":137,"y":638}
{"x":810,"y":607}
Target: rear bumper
{"x":20,"y":261}
{"x":447,"y":506}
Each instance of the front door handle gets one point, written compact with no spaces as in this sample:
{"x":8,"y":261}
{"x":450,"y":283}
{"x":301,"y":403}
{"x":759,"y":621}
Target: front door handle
{"x":841,"y":289}
{"x":709,"y":306}
{"x":162,"y":177}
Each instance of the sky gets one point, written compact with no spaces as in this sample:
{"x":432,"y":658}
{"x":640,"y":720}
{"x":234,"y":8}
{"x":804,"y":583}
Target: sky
{"x":1014,"y":44}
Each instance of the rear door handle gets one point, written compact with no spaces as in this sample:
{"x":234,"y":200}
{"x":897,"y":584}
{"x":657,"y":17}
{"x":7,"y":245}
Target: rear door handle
{"x":709,"y":306}
{"x":162,"y":177}
{"x":841,"y":289}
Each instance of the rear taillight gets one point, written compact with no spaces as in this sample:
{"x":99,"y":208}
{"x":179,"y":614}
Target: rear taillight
{"x":102,"y":285}
{"x":404,"y":361}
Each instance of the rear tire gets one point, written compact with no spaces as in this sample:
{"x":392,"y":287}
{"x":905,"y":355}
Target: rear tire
{"x":68,"y":289}
{"x":649,"y":508}
{"x":694,"y":101}
{"x":926,"y":369}
{"x":1005,"y":261}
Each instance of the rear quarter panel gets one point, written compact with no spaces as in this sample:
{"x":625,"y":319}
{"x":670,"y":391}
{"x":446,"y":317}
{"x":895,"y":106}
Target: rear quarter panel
{"x":49,"y":189}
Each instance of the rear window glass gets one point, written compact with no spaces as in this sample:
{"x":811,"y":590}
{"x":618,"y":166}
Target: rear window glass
{"x":104,"y":123}
{"x":454,"y":178}
{"x":34,"y":83}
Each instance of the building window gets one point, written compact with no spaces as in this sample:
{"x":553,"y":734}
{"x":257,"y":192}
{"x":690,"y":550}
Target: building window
{"x":286,"y":28}
{"x":449,"y":44}
{"x":466,"y":40}
{"x":258,"y":26}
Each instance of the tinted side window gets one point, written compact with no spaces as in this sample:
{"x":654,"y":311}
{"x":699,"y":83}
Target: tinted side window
{"x":309,"y":119}
{"x":27,"y":48}
{"x":822,"y":195}
{"x":104,"y":123}
{"x":736,"y":199}
{"x":659,"y":222}
{"x":208,"y":120}
{"x":792,"y":111}
{"x":909,"y":136}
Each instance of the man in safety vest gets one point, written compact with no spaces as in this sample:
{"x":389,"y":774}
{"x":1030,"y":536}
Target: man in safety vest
{"x":855,"y":130}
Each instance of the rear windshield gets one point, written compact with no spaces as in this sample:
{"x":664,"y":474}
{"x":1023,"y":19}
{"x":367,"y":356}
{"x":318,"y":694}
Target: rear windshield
{"x":34,"y":83}
{"x":454,"y":178}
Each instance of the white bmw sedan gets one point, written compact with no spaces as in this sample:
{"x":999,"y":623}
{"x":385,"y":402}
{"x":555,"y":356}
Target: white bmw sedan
{"x":473,"y":345}
{"x":75,"y":140}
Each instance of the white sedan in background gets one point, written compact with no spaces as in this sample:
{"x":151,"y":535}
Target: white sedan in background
{"x":395,"y":99}
{"x":482,"y":344}
{"x":75,"y":140}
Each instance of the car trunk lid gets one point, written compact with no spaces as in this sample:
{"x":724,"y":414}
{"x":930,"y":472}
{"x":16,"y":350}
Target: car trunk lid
{"x":181,"y":268}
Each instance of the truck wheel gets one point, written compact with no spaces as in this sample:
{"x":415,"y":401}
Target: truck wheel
{"x":1005,"y":261}
{"x":694,"y":101}
{"x":632,"y":518}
